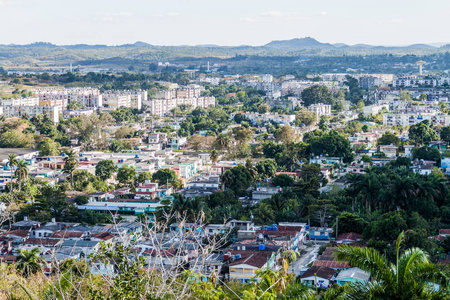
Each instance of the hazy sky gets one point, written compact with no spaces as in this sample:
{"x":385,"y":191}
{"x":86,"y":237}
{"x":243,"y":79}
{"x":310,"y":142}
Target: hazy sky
{"x":225,"y":22}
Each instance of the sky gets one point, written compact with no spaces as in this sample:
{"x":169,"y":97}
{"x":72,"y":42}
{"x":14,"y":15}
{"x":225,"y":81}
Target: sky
{"x":229,"y":23}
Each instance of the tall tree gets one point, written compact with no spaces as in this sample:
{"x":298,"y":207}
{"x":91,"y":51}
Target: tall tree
{"x":422,"y":133}
{"x":12,"y":162}
{"x":30,"y":261}
{"x":70,"y":163}
{"x":409,"y":278}
{"x":317,"y":94}
{"x":22,"y":172}
{"x":105,"y":168}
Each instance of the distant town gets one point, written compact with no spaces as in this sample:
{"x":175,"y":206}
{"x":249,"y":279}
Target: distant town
{"x":224,"y":178}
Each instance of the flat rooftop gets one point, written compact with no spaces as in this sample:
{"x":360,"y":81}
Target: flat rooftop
{"x":4,"y":152}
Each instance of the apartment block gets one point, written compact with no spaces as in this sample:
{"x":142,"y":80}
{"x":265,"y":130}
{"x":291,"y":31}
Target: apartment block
{"x":256,"y":118}
{"x":408,"y":119}
{"x":320,"y":109}
{"x":87,"y":97}
{"x":126,"y":98}
{"x":18,"y":111}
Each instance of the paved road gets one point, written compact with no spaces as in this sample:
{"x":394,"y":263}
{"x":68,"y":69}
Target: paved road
{"x":304,"y":259}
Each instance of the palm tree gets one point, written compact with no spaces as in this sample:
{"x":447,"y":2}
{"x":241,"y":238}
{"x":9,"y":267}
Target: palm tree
{"x":370,"y":189}
{"x":411,"y":277}
{"x":402,"y":191}
{"x":70,"y":163}
{"x":223,"y":141}
{"x":250,"y":168}
{"x":29,"y":261}
{"x":353,"y":180}
{"x":22,"y":171}
{"x":214,"y":155}
{"x":12,"y":162}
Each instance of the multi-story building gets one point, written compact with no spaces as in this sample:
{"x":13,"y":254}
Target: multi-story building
{"x":87,"y":97}
{"x":367,"y":82}
{"x":320,"y":109}
{"x":414,"y":81}
{"x":256,"y":118}
{"x":18,"y":111}
{"x":29,"y":101}
{"x":374,"y":109}
{"x":162,"y":107}
{"x":408,"y":119}
{"x":116,"y":99}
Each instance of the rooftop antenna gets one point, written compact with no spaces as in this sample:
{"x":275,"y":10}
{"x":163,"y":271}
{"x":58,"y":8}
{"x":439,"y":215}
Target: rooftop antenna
{"x":420,"y":63}
{"x":207,"y":70}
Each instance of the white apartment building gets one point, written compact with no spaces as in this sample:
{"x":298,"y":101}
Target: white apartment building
{"x":127,"y":98}
{"x":408,"y":119}
{"x":87,"y":97}
{"x":413,"y":81}
{"x":18,"y":111}
{"x":162,"y":107}
{"x":256,"y":118}
{"x":267,"y":78}
{"x":167,"y":100}
{"x":375,"y":109}
{"x":320,"y":109}
{"x":29,"y":101}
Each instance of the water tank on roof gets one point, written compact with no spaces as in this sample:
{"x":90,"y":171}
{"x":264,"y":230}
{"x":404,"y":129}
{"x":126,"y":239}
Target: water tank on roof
{"x":234,"y":163}
{"x":81,"y":154}
{"x":238,"y":256}
{"x":307,"y":227}
{"x":269,"y":228}
{"x":275,"y":228}
{"x":121,"y":160}
{"x":262,"y":247}
{"x":48,"y":158}
{"x":63,"y":154}
{"x":274,"y":225}
{"x":136,"y":156}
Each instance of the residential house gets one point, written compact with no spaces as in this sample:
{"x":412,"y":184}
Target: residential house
{"x":82,"y":248}
{"x":208,"y":265}
{"x":26,"y":224}
{"x":262,"y":193}
{"x":177,"y":143}
{"x":45,"y":245}
{"x":348,"y":238}
{"x":389,"y":150}
{"x":318,"y":276}
{"x":244,"y":264}
{"x":352,"y":275}
{"x":319,"y":233}
{"x":17,"y":235}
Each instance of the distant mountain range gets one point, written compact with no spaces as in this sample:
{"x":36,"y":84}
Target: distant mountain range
{"x":44,"y":56}
{"x":289,"y":45}
{"x":308,"y":42}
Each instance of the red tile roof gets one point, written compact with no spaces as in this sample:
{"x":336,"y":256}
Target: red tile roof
{"x":17,"y":232}
{"x":282,"y":231}
{"x":253,"y":258}
{"x":102,"y":235}
{"x":46,"y":242}
{"x":349,"y":236}
{"x":66,"y":234}
{"x":331,"y":264}
{"x":322,"y":272}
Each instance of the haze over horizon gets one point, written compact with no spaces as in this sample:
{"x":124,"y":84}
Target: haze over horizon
{"x":198,"y":22}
